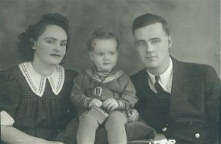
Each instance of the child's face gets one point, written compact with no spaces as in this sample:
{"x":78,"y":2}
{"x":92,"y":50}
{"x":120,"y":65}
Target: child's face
{"x":104,"y":54}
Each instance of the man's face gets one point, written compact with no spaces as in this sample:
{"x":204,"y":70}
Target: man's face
{"x":152,"y":44}
{"x":104,"y":54}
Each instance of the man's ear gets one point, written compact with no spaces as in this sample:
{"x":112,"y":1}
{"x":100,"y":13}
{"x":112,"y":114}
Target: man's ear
{"x":170,"y":41}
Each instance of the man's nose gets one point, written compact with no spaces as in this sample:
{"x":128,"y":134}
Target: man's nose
{"x":149,"y":47}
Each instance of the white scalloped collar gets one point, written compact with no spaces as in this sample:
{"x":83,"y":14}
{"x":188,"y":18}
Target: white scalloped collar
{"x":37,"y":82}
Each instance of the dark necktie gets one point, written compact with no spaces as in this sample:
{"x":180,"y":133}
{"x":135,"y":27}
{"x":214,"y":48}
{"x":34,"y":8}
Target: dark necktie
{"x":158,"y":86}
{"x":163,"y":103}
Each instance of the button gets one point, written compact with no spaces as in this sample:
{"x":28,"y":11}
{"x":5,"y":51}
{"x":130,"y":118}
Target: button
{"x":197,"y":135}
{"x":164,"y":129}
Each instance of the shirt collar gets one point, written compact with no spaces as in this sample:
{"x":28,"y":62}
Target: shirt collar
{"x":165,"y":78}
{"x":37,"y":82}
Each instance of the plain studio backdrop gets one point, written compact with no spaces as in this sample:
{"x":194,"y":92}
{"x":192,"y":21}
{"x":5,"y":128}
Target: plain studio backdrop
{"x":194,"y":24}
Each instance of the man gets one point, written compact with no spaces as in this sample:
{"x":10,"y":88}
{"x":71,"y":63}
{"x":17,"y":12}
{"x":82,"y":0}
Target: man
{"x":177,"y":99}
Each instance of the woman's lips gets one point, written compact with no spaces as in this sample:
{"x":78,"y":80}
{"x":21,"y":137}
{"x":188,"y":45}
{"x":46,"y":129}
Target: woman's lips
{"x":55,"y":55}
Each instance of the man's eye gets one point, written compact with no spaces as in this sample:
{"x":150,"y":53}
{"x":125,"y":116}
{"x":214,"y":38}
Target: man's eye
{"x":141,"y":44}
{"x":155,"y":41}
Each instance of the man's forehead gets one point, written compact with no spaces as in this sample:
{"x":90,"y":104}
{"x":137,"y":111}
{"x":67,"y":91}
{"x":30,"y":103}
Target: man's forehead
{"x":153,"y":30}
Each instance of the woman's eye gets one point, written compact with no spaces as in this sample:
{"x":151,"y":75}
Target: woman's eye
{"x":50,"y":41}
{"x":63,"y":44}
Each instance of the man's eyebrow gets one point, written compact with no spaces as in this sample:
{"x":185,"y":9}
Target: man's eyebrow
{"x":140,"y":41}
{"x":155,"y":38}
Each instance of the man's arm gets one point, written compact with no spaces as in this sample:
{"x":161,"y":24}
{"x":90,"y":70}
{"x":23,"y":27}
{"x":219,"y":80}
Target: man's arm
{"x":212,"y":93}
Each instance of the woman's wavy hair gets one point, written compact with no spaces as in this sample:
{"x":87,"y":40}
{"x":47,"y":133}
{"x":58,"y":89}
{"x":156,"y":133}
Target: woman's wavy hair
{"x":25,"y":39}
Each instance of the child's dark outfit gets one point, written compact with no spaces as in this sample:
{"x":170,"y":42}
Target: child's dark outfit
{"x":91,"y":84}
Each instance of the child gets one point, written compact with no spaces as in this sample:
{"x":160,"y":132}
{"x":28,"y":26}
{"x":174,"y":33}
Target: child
{"x":106,"y":87}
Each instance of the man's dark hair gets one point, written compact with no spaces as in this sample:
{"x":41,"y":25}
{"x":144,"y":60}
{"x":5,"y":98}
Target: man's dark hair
{"x":148,"y":19}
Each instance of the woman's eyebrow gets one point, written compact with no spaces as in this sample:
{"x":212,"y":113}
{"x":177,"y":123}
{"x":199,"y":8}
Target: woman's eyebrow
{"x":55,"y":38}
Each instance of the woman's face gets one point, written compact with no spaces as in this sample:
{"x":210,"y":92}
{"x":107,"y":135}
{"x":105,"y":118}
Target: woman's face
{"x":50,"y":47}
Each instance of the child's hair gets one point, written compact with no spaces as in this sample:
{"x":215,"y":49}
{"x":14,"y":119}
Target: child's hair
{"x":101,"y":34}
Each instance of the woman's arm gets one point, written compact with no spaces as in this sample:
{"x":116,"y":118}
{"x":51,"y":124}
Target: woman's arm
{"x":11,"y":135}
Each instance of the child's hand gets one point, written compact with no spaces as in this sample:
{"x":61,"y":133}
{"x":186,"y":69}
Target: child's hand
{"x":110,"y":104}
{"x":134,"y":115}
{"x":95,"y":102}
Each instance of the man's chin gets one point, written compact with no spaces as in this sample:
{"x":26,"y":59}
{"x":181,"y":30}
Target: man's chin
{"x":151,"y":65}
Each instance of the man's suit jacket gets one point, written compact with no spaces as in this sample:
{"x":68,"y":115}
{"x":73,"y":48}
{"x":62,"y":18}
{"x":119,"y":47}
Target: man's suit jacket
{"x":194,"y":102}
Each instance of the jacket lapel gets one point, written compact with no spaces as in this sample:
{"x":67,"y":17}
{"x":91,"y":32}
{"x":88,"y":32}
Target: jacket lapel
{"x":180,"y":89}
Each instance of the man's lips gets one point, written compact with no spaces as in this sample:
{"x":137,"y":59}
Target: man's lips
{"x":150,"y":57}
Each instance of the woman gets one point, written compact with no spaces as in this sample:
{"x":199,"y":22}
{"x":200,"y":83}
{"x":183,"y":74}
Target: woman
{"x":35,"y":103}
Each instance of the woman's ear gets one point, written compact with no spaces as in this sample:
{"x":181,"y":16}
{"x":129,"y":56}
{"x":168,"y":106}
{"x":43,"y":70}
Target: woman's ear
{"x":33,"y":43}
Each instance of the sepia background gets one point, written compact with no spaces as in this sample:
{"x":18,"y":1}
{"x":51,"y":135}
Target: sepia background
{"x":194,"y":24}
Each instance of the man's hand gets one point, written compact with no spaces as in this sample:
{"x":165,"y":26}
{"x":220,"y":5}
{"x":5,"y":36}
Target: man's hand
{"x":133,"y":115}
{"x":95,"y":102}
{"x":110,"y":104}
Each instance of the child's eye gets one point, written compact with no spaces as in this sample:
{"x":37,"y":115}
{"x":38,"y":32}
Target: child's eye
{"x":111,"y":53}
{"x":100,"y":54}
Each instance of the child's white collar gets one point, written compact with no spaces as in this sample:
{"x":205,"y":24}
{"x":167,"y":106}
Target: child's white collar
{"x":37,"y":82}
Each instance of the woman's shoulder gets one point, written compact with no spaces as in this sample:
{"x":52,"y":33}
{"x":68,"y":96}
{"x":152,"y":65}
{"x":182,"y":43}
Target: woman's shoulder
{"x":9,"y":73}
{"x":70,"y":73}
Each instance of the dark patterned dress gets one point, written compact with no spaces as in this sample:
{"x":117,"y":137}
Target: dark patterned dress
{"x":40,"y":106}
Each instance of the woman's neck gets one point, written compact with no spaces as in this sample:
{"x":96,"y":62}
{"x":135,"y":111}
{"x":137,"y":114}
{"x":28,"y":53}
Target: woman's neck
{"x":43,"y":68}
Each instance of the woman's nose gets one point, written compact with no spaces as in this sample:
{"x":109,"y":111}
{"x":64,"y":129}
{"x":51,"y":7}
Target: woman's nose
{"x":57,"y":47}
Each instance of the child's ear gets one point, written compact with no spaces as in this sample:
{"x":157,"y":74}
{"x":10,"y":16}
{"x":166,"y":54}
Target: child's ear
{"x":118,"y":51}
{"x":91,"y":56}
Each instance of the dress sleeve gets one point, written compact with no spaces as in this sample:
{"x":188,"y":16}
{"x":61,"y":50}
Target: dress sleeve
{"x":128,"y":96}
{"x":9,"y":93}
{"x":6,"y":119}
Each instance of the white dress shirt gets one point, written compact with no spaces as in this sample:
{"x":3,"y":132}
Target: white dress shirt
{"x":165,"y":79}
